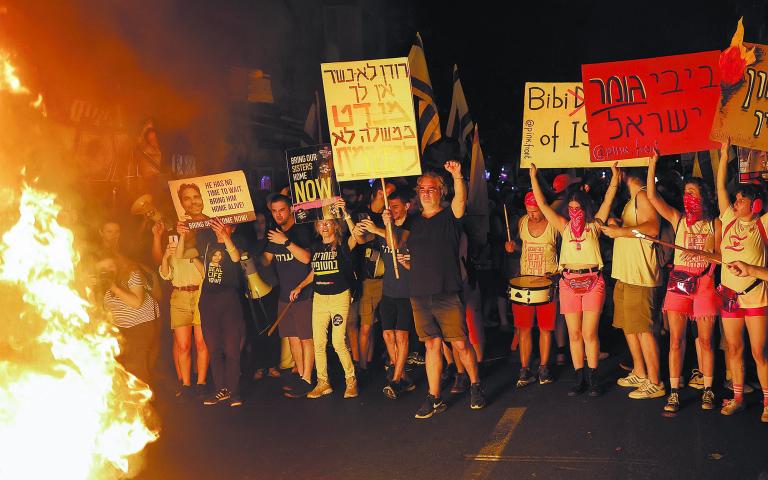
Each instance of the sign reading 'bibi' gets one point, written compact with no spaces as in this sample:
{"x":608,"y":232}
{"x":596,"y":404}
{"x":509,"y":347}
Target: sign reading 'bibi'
{"x":371,"y":119}
{"x":555,"y":127}
{"x":666,"y":103}
{"x":313,"y":185}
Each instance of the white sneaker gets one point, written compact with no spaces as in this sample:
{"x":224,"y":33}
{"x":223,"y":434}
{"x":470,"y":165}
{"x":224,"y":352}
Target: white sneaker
{"x":631,"y":381}
{"x":648,"y":390}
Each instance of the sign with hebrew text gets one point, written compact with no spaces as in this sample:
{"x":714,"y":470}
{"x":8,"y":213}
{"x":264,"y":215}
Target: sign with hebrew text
{"x":667,"y":103}
{"x":371,"y":118}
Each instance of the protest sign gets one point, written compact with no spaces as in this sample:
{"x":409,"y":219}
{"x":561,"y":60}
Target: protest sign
{"x":744,"y":106}
{"x":313,"y":185}
{"x":753,"y":165}
{"x":371,"y":119}
{"x":555,"y":127}
{"x":666,"y":103}
{"x":224,"y":196}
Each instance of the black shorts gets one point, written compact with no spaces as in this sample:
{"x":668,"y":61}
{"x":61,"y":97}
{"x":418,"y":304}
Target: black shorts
{"x":395,"y":313}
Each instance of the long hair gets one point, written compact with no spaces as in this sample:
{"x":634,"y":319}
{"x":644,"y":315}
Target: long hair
{"x":586,"y":204}
{"x":709,"y":209}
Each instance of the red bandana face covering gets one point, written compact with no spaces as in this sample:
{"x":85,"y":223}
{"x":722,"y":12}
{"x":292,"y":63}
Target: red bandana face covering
{"x":577,"y":221}
{"x":693,"y":209}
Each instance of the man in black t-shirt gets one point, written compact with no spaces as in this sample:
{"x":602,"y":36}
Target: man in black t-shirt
{"x":371,"y":272}
{"x":436,"y":282}
{"x":289,"y":247}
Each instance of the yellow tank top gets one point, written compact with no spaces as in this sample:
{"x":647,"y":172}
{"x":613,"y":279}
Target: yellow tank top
{"x":742,"y":241}
{"x":539,"y":255}
{"x":635,"y":261}
{"x":584,"y":250}
{"x":699,"y":236}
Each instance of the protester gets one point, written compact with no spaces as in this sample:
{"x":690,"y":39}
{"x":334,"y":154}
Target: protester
{"x":435,"y":282}
{"x":691,"y":288}
{"x":745,"y":299}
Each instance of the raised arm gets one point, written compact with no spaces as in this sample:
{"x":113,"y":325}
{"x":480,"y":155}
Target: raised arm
{"x":459,"y":202}
{"x":723,"y":202}
{"x":550,"y":214}
{"x":670,"y":214}
{"x":610,"y":194}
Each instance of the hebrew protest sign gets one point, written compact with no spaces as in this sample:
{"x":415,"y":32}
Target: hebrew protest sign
{"x":555,"y":127}
{"x":666,"y":103}
{"x":224,"y":196}
{"x":753,"y":165}
{"x":743,"y":106}
{"x":313,"y":185}
{"x":371,"y":119}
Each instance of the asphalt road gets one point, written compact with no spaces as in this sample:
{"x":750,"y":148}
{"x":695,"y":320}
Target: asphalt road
{"x":534,"y":432}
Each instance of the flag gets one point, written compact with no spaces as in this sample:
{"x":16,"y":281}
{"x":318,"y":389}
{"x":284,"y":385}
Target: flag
{"x":460,"y":124}
{"x":312,"y":125}
{"x":421,"y":87}
{"x":477,"y":195}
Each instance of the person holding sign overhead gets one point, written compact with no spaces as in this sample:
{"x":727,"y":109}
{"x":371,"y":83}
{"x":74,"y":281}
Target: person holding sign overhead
{"x":436,"y":282}
{"x":582,"y":287}
{"x":745,"y":299}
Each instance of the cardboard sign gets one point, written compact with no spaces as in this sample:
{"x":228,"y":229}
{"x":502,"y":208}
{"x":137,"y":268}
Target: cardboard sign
{"x":665,"y":102}
{"x":313,"y":184}
{"x":743,"y":107}
{"x":753,"y":165}
{"x":371,"y":119}
{"x":224,"y":196}
{"x":555,"y":127}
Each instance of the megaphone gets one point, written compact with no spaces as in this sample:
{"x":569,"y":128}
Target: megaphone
{"x":144,"y":206}
{"x":257,"y":287}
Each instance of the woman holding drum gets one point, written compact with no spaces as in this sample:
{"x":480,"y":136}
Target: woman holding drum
{"x":582,"y":288}
{"x":691,"y":287}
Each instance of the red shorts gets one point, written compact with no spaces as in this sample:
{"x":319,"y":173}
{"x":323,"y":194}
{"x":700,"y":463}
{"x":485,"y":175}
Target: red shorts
{"x":572,"y":302}
{"x":545,"y":315}
{"x":746,"y":312}
{"x":703,"y":303}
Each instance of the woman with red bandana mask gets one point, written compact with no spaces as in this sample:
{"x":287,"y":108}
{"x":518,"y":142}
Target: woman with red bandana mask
{"x":744,"y":239}
{"x":582,"y":288}
{"x":696,"y":228}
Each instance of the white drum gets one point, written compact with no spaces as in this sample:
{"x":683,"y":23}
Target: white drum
{"x":531,"y":290}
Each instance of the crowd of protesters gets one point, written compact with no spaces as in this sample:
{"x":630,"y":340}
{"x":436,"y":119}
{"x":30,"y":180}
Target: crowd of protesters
{"x":413,"y":283}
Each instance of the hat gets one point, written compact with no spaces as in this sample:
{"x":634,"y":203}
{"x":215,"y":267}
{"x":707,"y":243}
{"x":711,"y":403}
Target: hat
{"x":562,"y":181}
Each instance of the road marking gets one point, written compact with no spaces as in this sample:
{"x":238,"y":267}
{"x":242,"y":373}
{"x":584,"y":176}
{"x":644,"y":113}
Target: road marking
{"x":495,"y":445}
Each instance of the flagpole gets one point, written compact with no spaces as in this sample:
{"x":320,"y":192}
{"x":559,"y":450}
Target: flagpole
{"x":506,"y":221}
{"x":390,"y":237}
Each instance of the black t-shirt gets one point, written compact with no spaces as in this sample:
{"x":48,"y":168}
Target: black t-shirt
{"x":221,"y":273}
{"x":289,"y":270}
{"x":434,"y":248}
{"x":394,"y":287}
{"x":333,"y":268}
{"x":369,"y":253}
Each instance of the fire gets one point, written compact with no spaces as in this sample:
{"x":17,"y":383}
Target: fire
{"x":68,"y":409}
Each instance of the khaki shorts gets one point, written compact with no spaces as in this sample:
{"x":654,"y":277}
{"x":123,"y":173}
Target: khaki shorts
{"x":372,"y":291}
{"x":439,"y":316}
{"x":184,"y":311}
{"x":633,"y":307}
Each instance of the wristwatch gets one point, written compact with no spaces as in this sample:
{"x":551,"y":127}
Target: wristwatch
{"x":287,"y":243}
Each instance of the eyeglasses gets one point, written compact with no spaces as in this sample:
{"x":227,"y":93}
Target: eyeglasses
{"x":428,"y":190}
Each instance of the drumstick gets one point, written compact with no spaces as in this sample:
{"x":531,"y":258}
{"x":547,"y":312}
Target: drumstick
{"x":698,"y":253}
{"x":506,"y":220}
{"x":279,"y":318}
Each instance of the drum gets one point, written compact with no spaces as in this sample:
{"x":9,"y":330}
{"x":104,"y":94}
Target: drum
{"x":531,"y":290}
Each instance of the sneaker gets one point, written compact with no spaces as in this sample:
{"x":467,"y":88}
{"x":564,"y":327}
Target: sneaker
{"x":300,"y":389}
{"x":697,"y":379}
{"x":731,"y":406}
{"x":631,"y":381}
{"x":430,"y":407}
{"x":477,"y":398}
{"x":764,"y":416}
{"x":392,"y":390}
{"x":544,"y":376}
{"x":708,"y":399}
{"x":580,"y":386}
{"x":648,"y":390}
{"x":235,"y":401}
{"x":351,"y":390}
{"x":673,"y":403}
{"x":406,"y":384}
{"x":415,"y":358}
{"x":747,"y":387}
{"x":526,"y":378}
{"x":461,"y":384}
{"x":322,"y":388}
{"x":219,"y":396}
